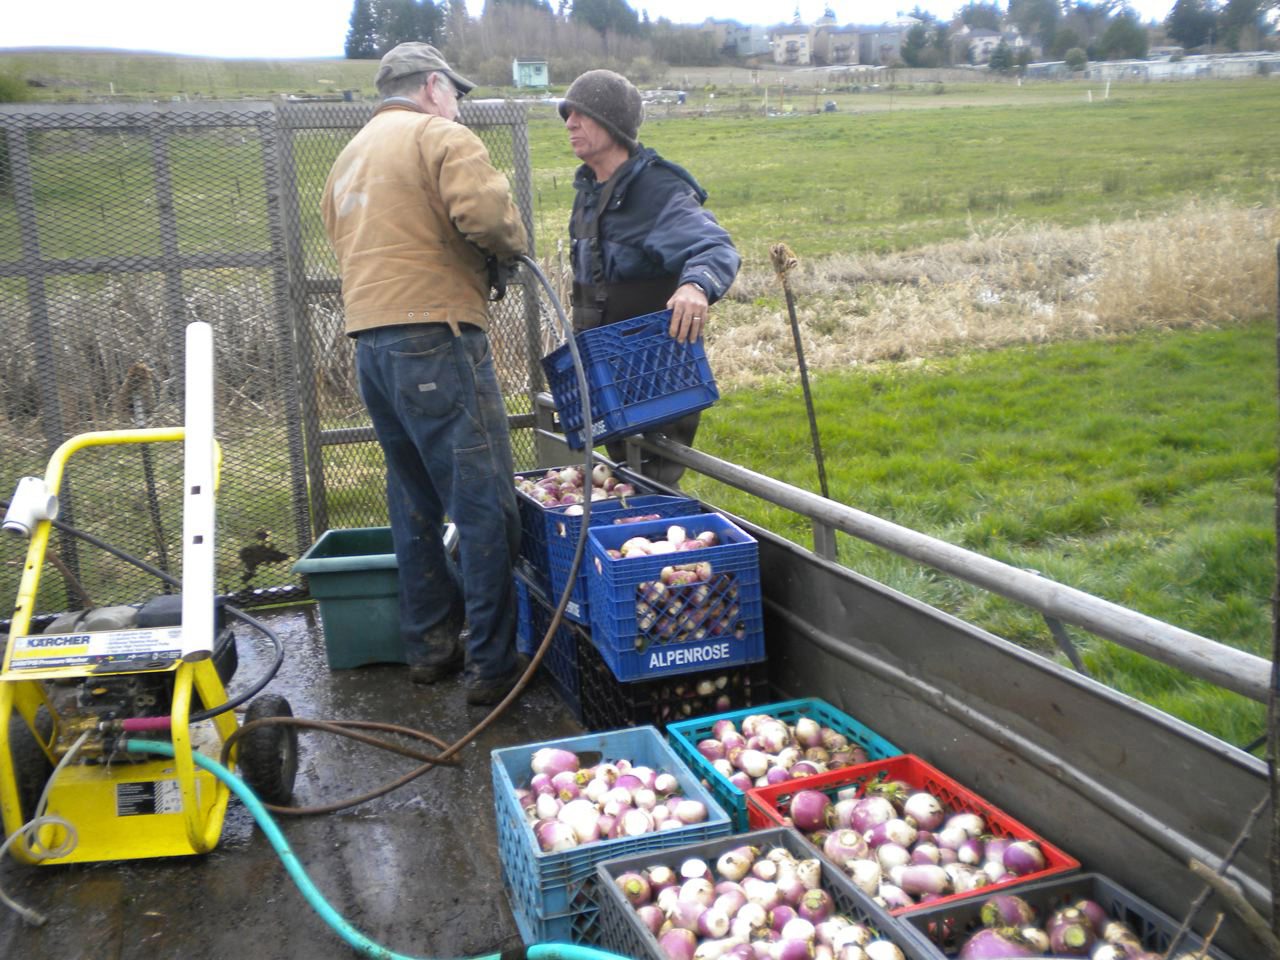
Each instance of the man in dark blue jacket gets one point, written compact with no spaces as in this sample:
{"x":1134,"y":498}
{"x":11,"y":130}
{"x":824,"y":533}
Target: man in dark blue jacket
{"x":642,"y":241}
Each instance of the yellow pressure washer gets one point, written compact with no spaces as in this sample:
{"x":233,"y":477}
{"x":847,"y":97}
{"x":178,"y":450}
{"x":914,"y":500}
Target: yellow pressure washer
{"x":71,"y":696}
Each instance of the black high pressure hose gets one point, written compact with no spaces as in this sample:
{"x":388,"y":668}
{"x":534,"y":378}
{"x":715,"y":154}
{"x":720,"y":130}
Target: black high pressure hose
{"x":349,"y":728}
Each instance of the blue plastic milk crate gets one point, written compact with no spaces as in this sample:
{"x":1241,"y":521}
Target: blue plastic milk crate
{"x":553,"y":895}
{"x":645,"y":631}
{"x":536,"y":525}
{"x":562,"y":540}
{"x":685,"y":735}
{"x":638,"y":375}
{"x":533,"y":616}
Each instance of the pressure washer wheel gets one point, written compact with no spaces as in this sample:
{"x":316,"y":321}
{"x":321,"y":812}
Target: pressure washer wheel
{"x":268,"y":756}
{"x":31,"y":768}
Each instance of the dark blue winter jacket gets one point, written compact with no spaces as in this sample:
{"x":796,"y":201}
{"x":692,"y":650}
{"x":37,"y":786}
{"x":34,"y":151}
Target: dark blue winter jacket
{"x":654,"y":228}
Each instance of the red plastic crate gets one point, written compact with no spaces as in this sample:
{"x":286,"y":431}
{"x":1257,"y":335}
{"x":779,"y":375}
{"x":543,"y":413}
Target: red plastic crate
{"x":766,"y":807}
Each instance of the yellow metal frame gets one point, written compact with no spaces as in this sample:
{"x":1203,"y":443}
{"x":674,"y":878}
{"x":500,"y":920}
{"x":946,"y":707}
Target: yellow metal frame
{"x":187,"y":804}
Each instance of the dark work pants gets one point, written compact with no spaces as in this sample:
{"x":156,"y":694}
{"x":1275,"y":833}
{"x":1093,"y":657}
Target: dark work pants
{"x":438,"y":414}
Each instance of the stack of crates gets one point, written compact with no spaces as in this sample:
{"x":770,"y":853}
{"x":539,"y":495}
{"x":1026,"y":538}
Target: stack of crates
{"x":714,"y":662}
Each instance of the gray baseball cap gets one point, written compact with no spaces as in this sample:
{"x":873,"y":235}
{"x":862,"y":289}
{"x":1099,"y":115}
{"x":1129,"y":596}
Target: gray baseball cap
{"x":415,"y":57}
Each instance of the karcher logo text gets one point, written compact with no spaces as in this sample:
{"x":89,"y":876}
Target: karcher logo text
{"x":69,"y":641}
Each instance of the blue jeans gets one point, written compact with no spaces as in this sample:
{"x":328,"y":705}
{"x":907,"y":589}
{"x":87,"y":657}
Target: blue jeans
{"x":438,"y":414}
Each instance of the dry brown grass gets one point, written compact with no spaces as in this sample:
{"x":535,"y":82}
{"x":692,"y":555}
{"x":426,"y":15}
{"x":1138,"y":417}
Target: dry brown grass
{"x":1206,"y":264}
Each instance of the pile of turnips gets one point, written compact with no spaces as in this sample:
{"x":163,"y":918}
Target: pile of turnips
{"x":689,"y":602}
{"x":750,"y":904}
{"x":1011,"y":928}
{"x":768,"y":750}
{"x":676,"y":540}
{"x":561,"y":486}
{"x":903,"y":846}
{"x":569,"y":805}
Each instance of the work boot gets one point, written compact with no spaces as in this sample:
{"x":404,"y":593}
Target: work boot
{"x":450,"y":635}
{"x":482,"y":693}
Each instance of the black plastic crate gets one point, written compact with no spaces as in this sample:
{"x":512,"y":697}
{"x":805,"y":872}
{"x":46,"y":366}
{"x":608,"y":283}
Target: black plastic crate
{"x":947,"y":927}
{"x":621,"y":931}
{"x":609,"y":703}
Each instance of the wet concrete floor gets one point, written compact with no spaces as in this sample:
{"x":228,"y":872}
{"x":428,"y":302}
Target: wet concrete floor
{"x":416,"y":870}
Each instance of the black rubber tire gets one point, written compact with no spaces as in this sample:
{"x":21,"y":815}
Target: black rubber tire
{"x":268,"y":756}
{"x":31,"y":768}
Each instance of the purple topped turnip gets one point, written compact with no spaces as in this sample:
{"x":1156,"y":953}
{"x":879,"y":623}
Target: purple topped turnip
{"x":1070,"y":933}
{"x":1006,"y":910}
{"x":991,"y":943}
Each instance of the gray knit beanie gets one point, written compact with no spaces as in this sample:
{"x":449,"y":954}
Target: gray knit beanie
{"x":609,"y":99}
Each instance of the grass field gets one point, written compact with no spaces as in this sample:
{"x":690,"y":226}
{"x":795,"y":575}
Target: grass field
{"x":852,"y":182}
{"x":1139,"y":469}
{"x":1039,"y":326}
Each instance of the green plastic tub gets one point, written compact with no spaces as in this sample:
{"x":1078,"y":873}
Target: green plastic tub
{"x":354,"y":577}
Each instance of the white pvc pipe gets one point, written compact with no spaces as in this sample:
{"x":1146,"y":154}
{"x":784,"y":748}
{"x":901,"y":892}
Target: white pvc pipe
{"x":198,"y":554}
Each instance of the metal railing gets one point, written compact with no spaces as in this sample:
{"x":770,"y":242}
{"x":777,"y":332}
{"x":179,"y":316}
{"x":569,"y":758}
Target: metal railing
{"x":1201,"y":657}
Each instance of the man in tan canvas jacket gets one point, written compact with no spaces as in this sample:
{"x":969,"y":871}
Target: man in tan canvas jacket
{"x":414,"y":208}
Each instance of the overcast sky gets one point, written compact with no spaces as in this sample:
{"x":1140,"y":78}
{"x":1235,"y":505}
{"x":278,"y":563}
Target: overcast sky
{"x":317,"y":28}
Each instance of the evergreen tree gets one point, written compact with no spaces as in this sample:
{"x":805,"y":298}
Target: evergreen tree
{"x":1240,"y":24}
{"x":403,"y":20}
{"x":1001,"y":58}
{"x":1063,"y":40}
{"x":1036,"y":18}
{"x":1125,"y":39}
{"x":536,"y":4}
{"x":915,"y":47}
{"x":361,"y":44}
{"x":1190,"y":22}
{"x":980,"y":16}
{"x":604,"y":16}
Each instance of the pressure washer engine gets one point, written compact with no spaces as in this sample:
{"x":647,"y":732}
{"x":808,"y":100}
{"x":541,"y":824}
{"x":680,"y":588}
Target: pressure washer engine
{"x":106,"y":697}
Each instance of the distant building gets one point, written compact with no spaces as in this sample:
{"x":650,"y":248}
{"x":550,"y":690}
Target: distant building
{"x":832,"y":45}
{"x":530,"y":73}
{"x":882,"y":45}
{"x":982,"y":44}
{"x":736,"y":40}
{"x":793,"y":46}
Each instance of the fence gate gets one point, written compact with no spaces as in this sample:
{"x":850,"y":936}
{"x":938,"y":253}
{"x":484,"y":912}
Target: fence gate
{"x":121,"y":224}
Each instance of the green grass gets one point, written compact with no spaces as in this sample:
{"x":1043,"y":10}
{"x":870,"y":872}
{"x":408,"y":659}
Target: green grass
{"x":82,"y":75}
{"x":1139,"y":470}
{"x":853,"y":183}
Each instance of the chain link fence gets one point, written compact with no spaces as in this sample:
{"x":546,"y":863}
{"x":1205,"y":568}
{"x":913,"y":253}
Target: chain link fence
{"x":121,"y":224}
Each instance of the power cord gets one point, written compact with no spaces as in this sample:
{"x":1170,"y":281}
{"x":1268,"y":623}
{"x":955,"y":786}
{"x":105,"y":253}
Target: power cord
{"x":29,"y":833}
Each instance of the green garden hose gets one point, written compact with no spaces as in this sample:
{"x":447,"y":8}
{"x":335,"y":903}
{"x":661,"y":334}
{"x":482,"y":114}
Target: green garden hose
{"x":356,"y":939}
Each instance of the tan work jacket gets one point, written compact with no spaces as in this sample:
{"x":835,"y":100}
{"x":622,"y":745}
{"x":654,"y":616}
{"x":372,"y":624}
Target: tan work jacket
{"x":412,"y":207}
